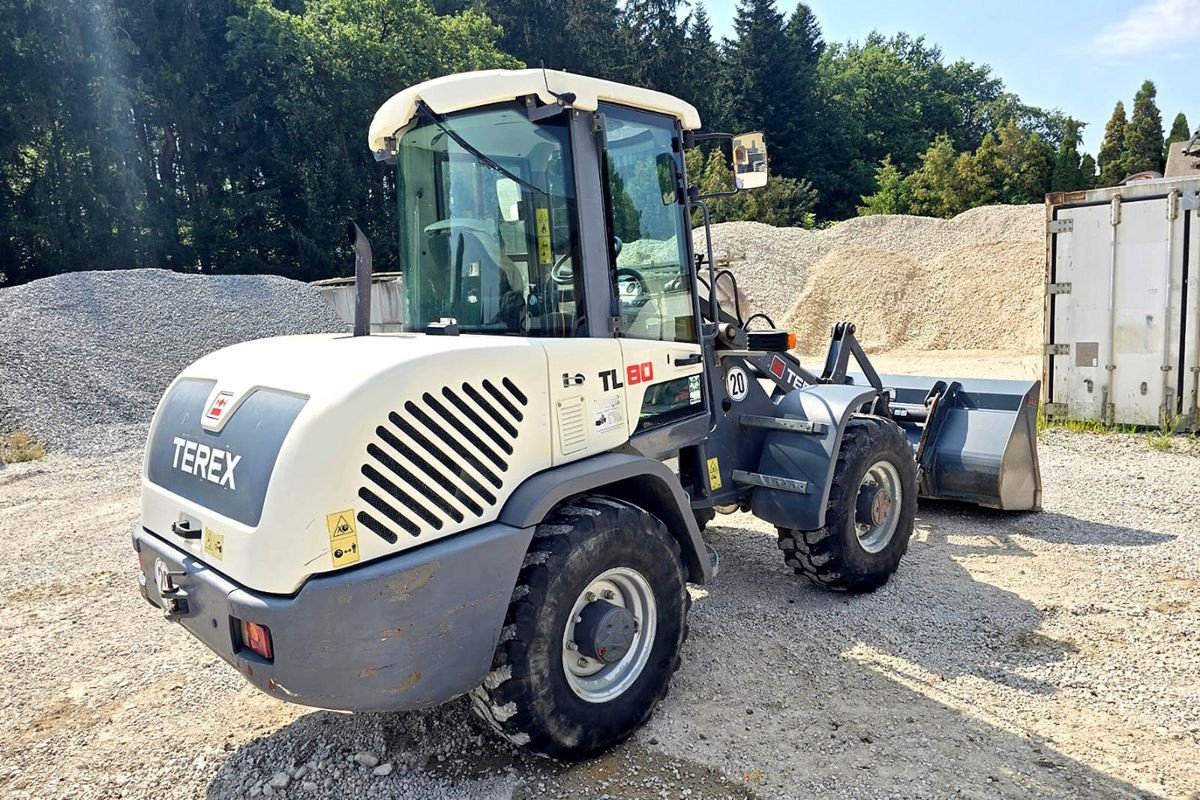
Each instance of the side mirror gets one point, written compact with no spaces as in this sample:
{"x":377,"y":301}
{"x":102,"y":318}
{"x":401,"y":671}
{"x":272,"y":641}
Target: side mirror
{"x":668,"y":180}
{"x":749,"y":161}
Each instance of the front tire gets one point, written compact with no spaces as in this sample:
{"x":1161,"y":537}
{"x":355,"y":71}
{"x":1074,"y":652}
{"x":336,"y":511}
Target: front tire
{"x":593,"y":631}
{"x":869,"y":516}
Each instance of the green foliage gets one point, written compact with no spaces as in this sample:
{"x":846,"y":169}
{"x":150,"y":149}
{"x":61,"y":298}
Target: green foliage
{"x":1012,"y":168}
{"x":704,"y":66}
{"x":1087,"y":171}
{"x":584,"y":36}
{"x":225,"y":136}
{"x":892,"y":197}
{"x":1069,"y":169}
{"x":1180,"y":132}
{"x":1144,"y":134}
{"x":1112,"y":150}
{"x":784,"y":202}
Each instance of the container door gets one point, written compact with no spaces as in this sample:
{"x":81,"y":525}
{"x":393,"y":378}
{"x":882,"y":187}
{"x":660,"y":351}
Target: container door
{"x":1189,"y":376}
{"x":1120,"y":318}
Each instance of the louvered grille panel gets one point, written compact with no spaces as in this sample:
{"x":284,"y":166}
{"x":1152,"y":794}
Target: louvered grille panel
{"x":439,"y":461}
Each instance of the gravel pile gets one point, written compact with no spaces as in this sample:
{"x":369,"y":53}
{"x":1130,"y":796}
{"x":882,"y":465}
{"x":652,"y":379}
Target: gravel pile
{"x":980,"y":296}
{"x":775,"y":266}
{"x":85,"y":357}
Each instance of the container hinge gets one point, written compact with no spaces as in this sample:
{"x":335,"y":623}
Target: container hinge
{"x":1173,"y":204}
{"x":1060,"y":226}
{"x":1058,"y":288}
{"x":1058,"y":350}
{"x":1114,"y":217}
{"x":769,"y":481}
{"x":776,"y":424}
{"x":1054,"y":409}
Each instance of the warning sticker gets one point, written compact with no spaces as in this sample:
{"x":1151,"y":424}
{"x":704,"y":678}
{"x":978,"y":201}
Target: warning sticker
{"x":343,"y":537}
{"x":608,"y":415}
{"x":714,"y":474}
{"x":542,"y":216}
{"x":214,"y":544}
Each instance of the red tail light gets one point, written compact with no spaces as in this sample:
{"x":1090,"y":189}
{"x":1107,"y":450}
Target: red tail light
{"x":257,"y":638}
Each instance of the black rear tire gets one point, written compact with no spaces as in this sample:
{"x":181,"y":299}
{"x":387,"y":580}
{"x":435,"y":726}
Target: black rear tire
{"x":527,"y":697}
{"x":834,"y":556}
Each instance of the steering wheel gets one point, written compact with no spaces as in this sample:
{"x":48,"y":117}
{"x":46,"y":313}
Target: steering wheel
{"x":631,"y":287}
{"x":563,"y":273}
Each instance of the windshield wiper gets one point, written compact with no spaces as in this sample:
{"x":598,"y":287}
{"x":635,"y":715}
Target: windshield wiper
{"x":486,"y":160}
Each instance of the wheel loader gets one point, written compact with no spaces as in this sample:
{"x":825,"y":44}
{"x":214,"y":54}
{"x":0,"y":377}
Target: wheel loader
{"x":507,"y":499}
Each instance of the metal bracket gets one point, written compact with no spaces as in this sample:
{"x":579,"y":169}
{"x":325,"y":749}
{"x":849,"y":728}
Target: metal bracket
{"x":769,"y":481}
{"x":776,"y":424}
{"x":1060,"y":226}
{"x":1054,"y":409}
{"x":1190,"y":201}
{"x":1058,"y":350}
{"x":1058,"y":288}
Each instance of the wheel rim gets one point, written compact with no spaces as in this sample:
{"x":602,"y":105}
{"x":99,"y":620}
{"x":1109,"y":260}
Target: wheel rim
{"x":877,"y":509}
{"x":593,"y":680}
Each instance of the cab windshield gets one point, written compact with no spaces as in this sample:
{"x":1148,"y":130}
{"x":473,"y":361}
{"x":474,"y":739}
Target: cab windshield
{"x":487,"y":223}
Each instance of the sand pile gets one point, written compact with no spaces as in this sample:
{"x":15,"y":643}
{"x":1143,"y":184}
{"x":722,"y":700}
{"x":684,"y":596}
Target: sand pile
{"x":978,"y":297}
{"x":972,"y":282}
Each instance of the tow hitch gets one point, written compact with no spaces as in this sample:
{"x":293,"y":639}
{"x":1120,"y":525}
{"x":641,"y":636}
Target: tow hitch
{"x":174,"y":599}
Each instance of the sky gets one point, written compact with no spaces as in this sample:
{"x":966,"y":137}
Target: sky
{"x":1076,"y":55}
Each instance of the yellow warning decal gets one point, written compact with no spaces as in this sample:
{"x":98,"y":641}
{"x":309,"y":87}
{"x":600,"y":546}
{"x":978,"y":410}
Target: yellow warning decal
{"x":214,"y":544}
{"x":714,"y":474}
{"x":343,"y":537}
{"x":542,"y":215}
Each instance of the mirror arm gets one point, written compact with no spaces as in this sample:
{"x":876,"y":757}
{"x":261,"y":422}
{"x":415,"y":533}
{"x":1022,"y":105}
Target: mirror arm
{"x":713,"y":195}
{"x":690,"y":138}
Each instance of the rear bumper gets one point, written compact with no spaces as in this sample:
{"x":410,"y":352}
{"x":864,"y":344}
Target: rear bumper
{"x":404,"y":632}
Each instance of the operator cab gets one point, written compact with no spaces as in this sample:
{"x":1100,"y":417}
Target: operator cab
{"x":558,"y":208}
{"x":492,"y":233}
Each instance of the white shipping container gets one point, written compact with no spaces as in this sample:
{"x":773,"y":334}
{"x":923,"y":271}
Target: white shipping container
{"x":1122,"y":327}
{"x":387,"y":300}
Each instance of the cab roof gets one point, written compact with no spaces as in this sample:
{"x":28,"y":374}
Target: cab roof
{"x":474,"y":89}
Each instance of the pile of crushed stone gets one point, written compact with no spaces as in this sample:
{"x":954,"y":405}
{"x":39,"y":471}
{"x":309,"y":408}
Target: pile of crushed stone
{"x":974,"y":281}
{"x":85,"y":357}
{"x":984,"y":296}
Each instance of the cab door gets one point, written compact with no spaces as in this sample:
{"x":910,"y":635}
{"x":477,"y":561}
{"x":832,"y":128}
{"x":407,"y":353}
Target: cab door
{"x":651,"y":278}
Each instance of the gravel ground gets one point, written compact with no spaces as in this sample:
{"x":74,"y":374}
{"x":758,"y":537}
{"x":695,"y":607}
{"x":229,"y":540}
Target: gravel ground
{"x":1051,"y":654}
{"x":85,"y":357}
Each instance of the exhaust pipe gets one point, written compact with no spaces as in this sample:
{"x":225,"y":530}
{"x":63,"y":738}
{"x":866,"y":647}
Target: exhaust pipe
{"x":362,"y":279}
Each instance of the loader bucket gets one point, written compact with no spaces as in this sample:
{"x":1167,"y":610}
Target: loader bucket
{"x":975,"y":440}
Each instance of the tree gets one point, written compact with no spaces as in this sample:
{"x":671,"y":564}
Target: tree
{"x":934,"y":187}
{"x":1112,"y":149}
{"x":1087,"y":170}
{"x":1144,"y":134}
{"x":1180,"y":132}
{"x":1067,"y":175}
{"x":892,"y":195}
{"x":893,"y":97}
{"x":758,"y":62}
{"x":800,"y":152}
{"x":705,"y":74}
{"x":658,"y":38}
